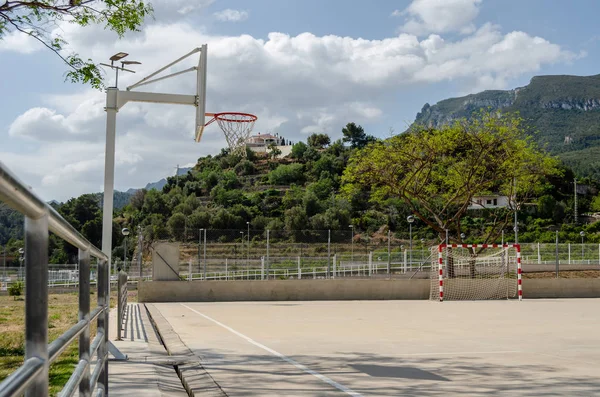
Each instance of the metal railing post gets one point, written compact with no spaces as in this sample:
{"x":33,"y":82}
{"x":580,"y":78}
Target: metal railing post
{"x":36,"y":300}
{"x":84,"y":314}
{"x":103,"y":323}
{"x":268,"y":261}
{"x":389,"y":247}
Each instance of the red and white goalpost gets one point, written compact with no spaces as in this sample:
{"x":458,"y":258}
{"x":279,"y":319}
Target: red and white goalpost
{"x":477,"y":271}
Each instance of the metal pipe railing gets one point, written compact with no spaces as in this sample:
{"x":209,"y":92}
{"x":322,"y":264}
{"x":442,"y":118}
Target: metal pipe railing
{"x":32,"y":377}
{"x":16,"y":195}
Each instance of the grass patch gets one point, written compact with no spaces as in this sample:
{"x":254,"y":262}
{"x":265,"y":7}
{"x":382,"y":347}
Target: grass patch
{"x":62,"y":314}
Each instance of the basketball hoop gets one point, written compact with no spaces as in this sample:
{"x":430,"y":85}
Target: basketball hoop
{"x":236,"y":127}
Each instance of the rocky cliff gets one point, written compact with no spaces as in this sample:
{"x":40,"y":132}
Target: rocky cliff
{"x":563,"y":111}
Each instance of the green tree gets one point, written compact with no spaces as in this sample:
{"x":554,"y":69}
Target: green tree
{"x":287,"y":174}
{"x":274,"y":151}
{"x":34,"y":18}
{"x":318,"y":141}
{"x":356,"y":135}
{"x":436,"y":172}
{"x":177,"y":225}
{"x":298,"y":150}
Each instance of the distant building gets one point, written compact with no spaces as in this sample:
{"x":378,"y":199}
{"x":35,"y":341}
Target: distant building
{"x":488,"y":202}
{"x":259,"y":143}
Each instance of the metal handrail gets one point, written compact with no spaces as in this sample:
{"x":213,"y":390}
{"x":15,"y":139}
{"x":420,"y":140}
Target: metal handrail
{"x":14,"y":193}
{"x":32,"y":377}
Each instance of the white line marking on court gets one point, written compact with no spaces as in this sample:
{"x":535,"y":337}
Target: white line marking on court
{"x":281,"y":356}
{"x":460,"y":353}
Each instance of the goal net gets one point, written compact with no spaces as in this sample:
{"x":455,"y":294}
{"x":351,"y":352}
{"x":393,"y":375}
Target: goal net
{"x":476,"y":272}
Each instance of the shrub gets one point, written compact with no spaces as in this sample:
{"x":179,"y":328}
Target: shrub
{"x":16,"y":289}
{"x":287,"y":174}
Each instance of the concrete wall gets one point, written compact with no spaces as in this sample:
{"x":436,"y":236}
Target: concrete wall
{"x":282,"y":290}
{"x":341,"y":289}
{"x":561,"y":288}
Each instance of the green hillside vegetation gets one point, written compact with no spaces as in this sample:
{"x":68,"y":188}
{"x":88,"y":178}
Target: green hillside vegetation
{"x":298,"y":198}
{"x":562,"y":112}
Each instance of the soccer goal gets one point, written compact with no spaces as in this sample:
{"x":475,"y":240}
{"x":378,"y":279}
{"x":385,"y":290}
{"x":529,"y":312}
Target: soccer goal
{"x":476,"y":272}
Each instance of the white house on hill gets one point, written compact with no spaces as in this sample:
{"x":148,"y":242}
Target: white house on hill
{"x":489,"y":202}
{"x":260,"y":143}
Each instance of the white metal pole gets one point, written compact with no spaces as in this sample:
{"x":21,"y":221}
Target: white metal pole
{"x":262,"y":267}
{"x":539,"y":255}
{"x":204,"y":253}
{"x":109,"y":172}
{"x":190,"y":270}
{"x":268,"y":261}
{"x":226,"y":272}
{"x":334,"y":265}
{"x":299,"y":270}
{"x":370,"y":264}
{"x":569,"y":245}
{"x":328,"y":253}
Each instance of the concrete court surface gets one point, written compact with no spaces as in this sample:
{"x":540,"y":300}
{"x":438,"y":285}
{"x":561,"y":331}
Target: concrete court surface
{"x":395,"y":348}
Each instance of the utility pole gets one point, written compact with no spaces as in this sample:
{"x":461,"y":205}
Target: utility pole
{"x":575,"y":192}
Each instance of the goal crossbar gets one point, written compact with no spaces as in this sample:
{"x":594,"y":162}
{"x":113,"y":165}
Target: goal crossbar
{"x":442,"y":247}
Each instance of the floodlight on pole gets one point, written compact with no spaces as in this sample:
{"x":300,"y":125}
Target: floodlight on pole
{"x":410,"y":219}
{"x":118,"y":56}
{"x":125,"y":233}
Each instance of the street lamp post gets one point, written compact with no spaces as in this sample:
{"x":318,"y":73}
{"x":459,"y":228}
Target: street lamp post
{"x":582,"y":234}
{"x":242,"y":243}
{"x":248,"y":252}
{"x":21,"y":258}
{"x":125,"y":233}
{"x":352,"y":243}
{"x":410,"y":219}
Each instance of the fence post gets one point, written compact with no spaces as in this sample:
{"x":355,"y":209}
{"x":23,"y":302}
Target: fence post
{"x":389,"y":264}
{"x":557,"y":258}
{"x":370,"y":264}
{"x":36,"y":299}
{"x":205,"y":254}
{"x":190,"y":270}
{"x":328,"y":253}
{"x":334,"y":265}
{"x":405,"y":260}
{"x":569,"y":245}
{"x":84,"y":314}
{"x":268,"y":261}
{"x":102,"y":322}
{"x":539,"y":255}
{"x":226,"y":273}
{"x":299,"y":269}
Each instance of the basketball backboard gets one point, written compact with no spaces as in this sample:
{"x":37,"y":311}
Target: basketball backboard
{"x":201,"y":93}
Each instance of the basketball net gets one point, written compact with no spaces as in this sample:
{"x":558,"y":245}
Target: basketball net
{"x":237,"y":128}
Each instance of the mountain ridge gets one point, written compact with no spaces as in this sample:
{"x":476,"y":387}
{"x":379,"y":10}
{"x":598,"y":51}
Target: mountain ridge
{"x":562,"y":110}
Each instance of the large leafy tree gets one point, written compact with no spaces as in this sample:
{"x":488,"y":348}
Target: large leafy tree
{"x":356,"y":136}
{"x":39,"y":19}
{"x":437,"y":172}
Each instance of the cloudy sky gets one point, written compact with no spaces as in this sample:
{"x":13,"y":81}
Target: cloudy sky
{"x":301,"y":66}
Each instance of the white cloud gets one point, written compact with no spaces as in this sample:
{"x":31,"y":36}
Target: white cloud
{"x":396,"y":13}
{"x":15,"y":41}
{"x":230,"y":15}
{"x":440,"y":16}
{"x":295,"y":85}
